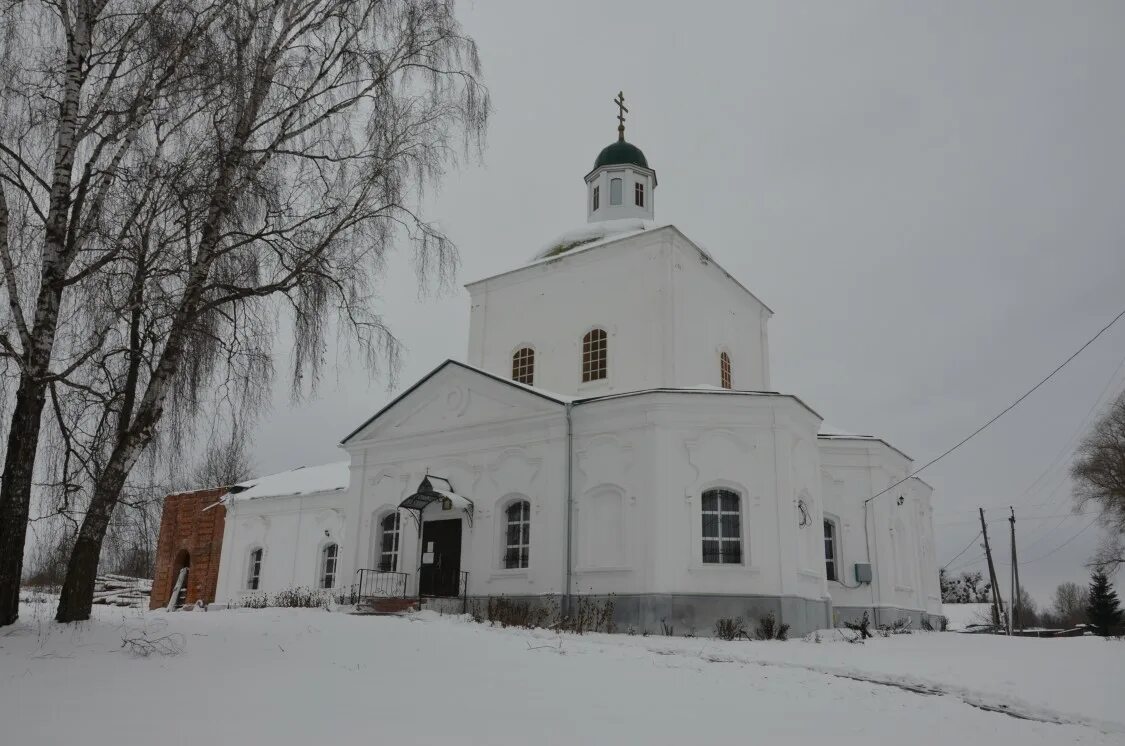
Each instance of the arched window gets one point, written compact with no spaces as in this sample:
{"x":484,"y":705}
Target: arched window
{"x":328,"y":557}
{"x":639,"y":194}
{"x":388,"y":542}
{"x":594,"y":349}
{"x":831,"y":562}
{"x":722,"y":527}
{"x":254,"y":570}
{"x":724,"y":370}
{"x":523,"y":366}
{"x":615,"y":191}
{"x":517,"y":537}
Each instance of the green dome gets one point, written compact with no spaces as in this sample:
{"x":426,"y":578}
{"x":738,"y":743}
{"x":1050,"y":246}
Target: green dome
{"x":620,"y":153}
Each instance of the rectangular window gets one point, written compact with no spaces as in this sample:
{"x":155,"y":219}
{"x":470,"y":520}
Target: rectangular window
{"x":328,"y":575}
{"x":639,"y":194}
{"x":722,"y":528}
{"x":388,"y":549}
{"x":517,"y":542}
{"x":597,"y":198}
{"x":615,"y":191}
{"x":830,"y":550}
{"x":254,"y":575}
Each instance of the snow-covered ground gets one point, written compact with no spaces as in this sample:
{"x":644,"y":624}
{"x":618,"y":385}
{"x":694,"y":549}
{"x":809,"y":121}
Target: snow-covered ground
{"x":285,"y":677}
{"x":961,"y":616}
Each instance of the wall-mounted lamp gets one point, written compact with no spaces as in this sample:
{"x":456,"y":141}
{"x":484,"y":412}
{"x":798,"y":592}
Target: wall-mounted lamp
{"x":901,"y":500}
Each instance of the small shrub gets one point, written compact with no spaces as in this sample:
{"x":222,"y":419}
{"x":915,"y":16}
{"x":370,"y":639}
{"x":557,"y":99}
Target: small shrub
{"x":253,"y":601}
{"x":766,"y":627}
{"x":863,"y":627}
{"x":589,"y":615}
{"x":290,"y":598}
{"x":667,"y":629}
{"x":509,"y":613}
{"x":901,"y":626}
{"x":731,"y":629}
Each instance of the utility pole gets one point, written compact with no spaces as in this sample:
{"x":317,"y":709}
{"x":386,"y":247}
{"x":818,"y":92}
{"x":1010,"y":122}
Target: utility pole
{"x":1017,"y":613}
{"x":997,"y":605}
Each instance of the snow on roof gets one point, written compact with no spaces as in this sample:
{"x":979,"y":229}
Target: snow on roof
{"x":829,"y":430}
{"x":592,"y":233}
{"x":304,"y":480}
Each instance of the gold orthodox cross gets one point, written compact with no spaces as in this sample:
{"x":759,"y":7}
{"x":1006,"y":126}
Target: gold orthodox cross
{"x":621,"y":112}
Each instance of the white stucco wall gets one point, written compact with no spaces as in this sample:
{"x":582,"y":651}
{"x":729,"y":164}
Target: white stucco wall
{"x":640,"y":465}
{"x":899,"y":538}
{"x":668,"y":310}
{"x":291,"y":531}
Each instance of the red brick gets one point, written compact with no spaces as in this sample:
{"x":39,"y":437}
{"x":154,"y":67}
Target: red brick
{"x":189,"y":525}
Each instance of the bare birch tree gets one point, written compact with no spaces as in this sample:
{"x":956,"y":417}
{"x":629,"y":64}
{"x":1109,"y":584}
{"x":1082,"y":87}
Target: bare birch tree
{"x":1099,"y":477}
{"x":223,"y":464}
{"x":80,"y":82}
{"x":289,"y":178}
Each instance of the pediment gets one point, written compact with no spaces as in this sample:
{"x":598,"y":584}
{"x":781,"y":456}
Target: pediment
{"x":453,"y":396}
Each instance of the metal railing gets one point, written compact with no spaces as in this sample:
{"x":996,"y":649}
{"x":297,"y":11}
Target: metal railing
{"x":380,"y":584}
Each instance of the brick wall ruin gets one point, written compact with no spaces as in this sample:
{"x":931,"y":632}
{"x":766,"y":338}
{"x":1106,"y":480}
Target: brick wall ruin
{"x":191,"y":534}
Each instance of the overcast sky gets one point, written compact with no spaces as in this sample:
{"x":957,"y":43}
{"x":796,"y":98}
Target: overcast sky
{"x":929,"y":196}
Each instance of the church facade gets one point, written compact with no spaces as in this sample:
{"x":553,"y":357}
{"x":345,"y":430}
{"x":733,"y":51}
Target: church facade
{"x":613,"y":432}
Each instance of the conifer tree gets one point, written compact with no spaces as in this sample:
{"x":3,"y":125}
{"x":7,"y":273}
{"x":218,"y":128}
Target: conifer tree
{"x":1103,"y":609}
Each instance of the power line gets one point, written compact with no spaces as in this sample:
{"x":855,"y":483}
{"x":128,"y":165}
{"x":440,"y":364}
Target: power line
{"x":1041,"y":532}
{"x":1009,"y":408}
{"x":950,"y":562}
{"x":1068,"y":446}
{"x":970,"y":563}
{"x":1060,"y":546}
{"x":1022,"y":518}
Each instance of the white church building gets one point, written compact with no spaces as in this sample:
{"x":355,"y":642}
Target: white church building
{"x":613,"y":431}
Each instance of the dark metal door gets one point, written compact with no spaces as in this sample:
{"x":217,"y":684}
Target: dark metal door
{"x":442,"y":576}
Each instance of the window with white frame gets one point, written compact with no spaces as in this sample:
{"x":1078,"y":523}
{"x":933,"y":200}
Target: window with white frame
{"x":615,"y":191}
{"x":639,"y":194}
{"x":254,"y":570}
{"x":722,"y":527}
{"x":831,"y":562}
{"x":597,"y":198}
{"x":724,"y":370}
{"x":328,"y":557}
{"x":388,"y":542}
{"x":517,"y":535}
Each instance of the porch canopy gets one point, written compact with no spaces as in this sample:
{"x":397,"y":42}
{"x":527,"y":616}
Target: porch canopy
{"x":431,"y":490}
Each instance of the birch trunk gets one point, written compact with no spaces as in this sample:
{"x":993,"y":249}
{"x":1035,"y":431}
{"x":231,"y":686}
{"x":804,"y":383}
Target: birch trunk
{"x":77,"y":596}
{"x":24,"y":431}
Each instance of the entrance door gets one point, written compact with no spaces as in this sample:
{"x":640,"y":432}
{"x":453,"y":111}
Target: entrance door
{"x":442,"y":577}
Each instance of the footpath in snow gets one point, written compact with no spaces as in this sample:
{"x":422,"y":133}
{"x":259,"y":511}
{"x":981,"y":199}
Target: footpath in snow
{"x":295,"y":676}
